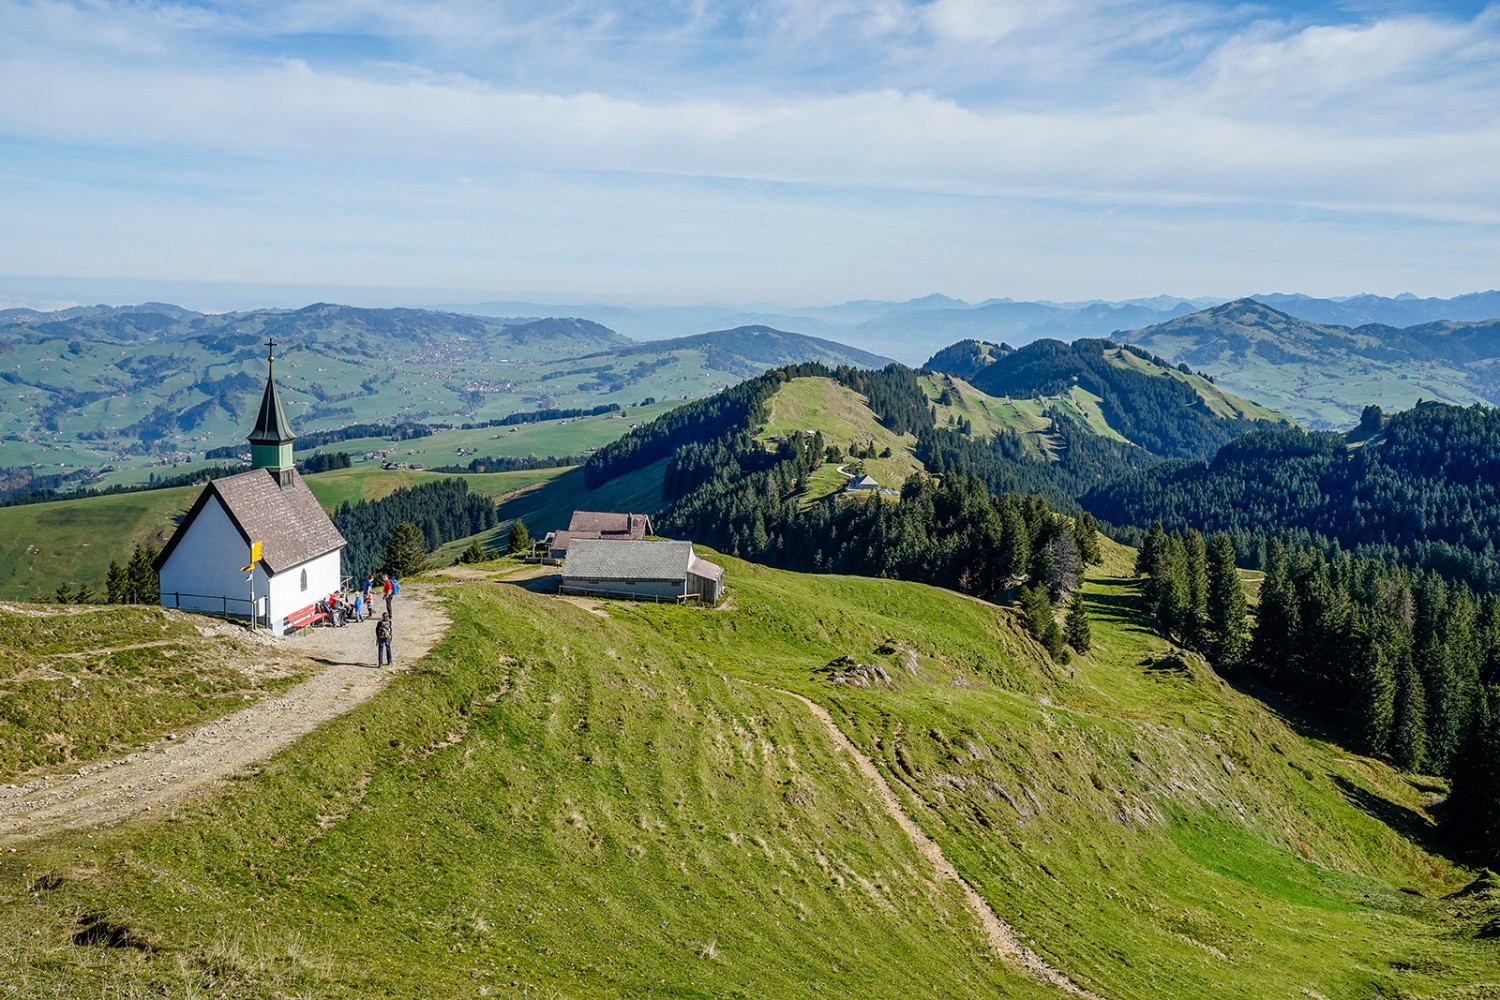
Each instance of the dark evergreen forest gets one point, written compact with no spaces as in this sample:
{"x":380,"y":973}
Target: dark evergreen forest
{"x":444,"y":510}
{"x":1422,"y":490}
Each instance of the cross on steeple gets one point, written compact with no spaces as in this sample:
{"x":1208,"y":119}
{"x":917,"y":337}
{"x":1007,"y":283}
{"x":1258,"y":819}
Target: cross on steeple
{"x":271,"y":439}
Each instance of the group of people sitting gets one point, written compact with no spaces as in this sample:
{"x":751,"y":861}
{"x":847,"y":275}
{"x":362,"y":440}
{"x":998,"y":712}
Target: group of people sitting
{"x":357,"y":604}
{"x":341,"y":608}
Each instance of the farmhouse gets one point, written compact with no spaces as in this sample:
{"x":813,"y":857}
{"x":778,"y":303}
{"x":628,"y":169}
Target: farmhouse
{"x":202,"y":566}
{"x":652,"y":571}
{"x":863,"y":483}
{"x":599,"y":524}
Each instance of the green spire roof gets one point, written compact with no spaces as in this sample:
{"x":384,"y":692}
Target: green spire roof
{"x":271,"y":426}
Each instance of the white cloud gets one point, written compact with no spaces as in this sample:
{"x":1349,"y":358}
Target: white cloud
{"x":1075,"y":105}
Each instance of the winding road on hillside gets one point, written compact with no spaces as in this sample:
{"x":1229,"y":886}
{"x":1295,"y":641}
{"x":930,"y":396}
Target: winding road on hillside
{"x":157,"y":778}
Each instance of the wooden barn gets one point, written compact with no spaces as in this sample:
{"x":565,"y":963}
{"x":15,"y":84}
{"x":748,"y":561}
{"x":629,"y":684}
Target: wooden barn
{"x":647,"y":571}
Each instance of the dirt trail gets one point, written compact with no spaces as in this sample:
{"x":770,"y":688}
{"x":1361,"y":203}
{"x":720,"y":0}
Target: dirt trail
{"x":1002,"y":937}
{"x":164,"y":773}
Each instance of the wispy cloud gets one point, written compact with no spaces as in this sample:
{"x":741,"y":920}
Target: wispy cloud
{"x":1224,"y":113}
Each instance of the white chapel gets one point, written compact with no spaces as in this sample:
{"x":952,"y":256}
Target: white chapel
{"x":202,"y":566}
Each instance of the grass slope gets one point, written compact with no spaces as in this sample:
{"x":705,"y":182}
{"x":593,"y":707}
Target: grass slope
{"x":46,"y":544}
{"x":77,"y":684}
{"x":1224,"y":404}
{"x":561,"y":802}
{"x":1029,"y":418}
{"x":844,"y":418}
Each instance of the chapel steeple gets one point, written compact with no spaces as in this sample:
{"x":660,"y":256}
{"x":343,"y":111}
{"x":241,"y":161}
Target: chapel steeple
{"x":271,"y":440}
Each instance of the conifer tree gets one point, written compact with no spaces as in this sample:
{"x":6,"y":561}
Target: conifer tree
{"x":1193,"y":616}
{"x":1409,"y":732}
{"x":1059,"y":569}
{"x":473,"y":554}
{"x":1076,"y":624}
{"x":1015,"y":541}
{"x":1052,"y":638}
{"x":406,"y":551}
{"x":142,"y":583}
{"x":520,"y":538}
{"x":1149,"y":553}
{"x":1167,"y":586}
{"x":116,"y":584}
{"x":1036,"y":609}
{"x":1372,"y":705}
{"x":1229,"y":640}
{"x":1274,"y":644}
{"x":1086,"y":536}
{"x":1474,"y":802}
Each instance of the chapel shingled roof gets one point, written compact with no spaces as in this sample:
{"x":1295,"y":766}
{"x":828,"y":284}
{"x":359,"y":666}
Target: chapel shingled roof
{"x":287,"y":520}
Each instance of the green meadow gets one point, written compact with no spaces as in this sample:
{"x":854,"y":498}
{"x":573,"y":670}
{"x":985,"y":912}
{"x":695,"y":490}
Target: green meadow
{"x":619,"y":800}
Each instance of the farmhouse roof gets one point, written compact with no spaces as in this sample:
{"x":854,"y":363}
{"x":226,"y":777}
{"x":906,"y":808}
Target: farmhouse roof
{"x":287,"y":520}
{"x":866,"y":482}
{"x":606,"y":524}
{"x":603,"y":559}
{"x":271,"y":424}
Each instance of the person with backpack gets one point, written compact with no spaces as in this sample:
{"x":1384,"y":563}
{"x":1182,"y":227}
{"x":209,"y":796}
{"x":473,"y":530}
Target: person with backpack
{"x":383,"y":641}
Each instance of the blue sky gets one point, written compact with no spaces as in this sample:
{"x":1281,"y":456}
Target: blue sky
{"x":791,"y":151}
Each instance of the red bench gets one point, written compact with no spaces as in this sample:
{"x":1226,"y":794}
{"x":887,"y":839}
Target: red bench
{"x":309,"y":615}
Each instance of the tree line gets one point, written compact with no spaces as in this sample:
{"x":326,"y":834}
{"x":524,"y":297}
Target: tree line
{"x":1402,"y":663}
{"x":1424,"y":492}
{"x":441,"y":511}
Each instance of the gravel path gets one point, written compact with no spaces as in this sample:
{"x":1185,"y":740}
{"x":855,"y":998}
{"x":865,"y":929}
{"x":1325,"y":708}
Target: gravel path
{"x":164,"y":773}
{"x":1001,"y":936}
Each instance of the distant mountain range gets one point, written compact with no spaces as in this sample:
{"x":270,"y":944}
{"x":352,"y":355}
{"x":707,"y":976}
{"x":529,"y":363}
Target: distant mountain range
{"x":913,"y":330}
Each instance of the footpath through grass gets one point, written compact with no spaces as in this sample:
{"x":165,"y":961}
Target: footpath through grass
{"x":575,"y":802}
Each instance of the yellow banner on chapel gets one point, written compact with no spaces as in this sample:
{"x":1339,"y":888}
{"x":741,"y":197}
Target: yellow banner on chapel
{"x":254,"y":557}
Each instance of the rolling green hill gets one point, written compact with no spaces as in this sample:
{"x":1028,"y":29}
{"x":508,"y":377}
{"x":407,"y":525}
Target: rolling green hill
{"x":1325,"y":375}
{"x":1118,"y":393}
{"x":620,"y":800}
{"x":134,"y":390}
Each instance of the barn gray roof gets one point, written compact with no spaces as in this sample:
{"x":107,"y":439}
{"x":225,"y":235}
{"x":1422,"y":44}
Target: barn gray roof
{"x":602,"y":559}
{"x":287,"y":520}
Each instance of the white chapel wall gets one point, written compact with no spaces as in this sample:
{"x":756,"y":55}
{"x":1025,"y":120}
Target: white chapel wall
{"x":287,"y":595}
{"x":207,"y":564}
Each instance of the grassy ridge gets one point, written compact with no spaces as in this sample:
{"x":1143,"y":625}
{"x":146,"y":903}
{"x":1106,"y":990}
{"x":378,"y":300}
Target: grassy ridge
{"x":602,"y":806}
{"x":559,"y":803}
{"x":843,"y":417}
{"x":79,"y":684}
